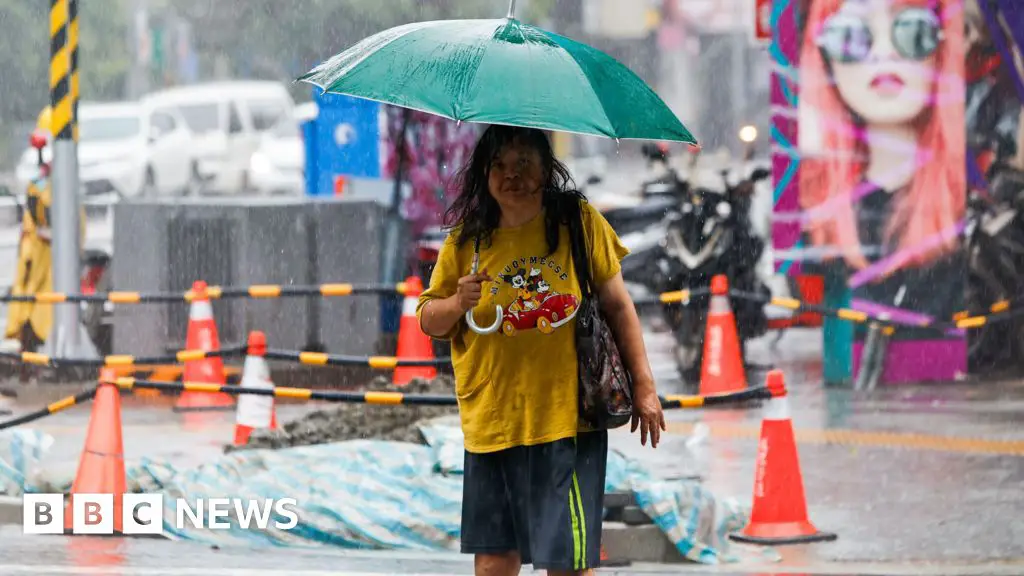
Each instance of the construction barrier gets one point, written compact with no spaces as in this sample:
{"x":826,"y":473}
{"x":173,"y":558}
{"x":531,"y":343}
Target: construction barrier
{"x":376,"y":362}
{"x":272,"y":291}
{"x":263,"y":291}
{"x":50,"y":409}
{"x":779,"y":514}
{"x":1000,"y":311}
{"x":377,"y":398}
{"x":122,"y":360}
{"x":396,"y":398}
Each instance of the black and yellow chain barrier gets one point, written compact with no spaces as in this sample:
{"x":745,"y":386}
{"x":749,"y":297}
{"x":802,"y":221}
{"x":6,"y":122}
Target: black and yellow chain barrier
{"x":999,"y":311}
{"x":379,"y":398}
{"x":272,"y":291}
{"x":262,"y":291}
{"x":122,"y":360}
{"x":396,"y":398}
{"x":51,"y":408}
{"x":376,"y":362}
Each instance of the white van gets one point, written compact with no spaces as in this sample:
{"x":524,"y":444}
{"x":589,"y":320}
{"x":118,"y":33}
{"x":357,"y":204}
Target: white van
{"x":227,"y":120}
{"x":125,"y":150}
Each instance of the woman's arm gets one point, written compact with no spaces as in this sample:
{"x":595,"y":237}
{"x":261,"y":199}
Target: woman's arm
{"x":620,"y":313}
{"x":439,"y":317}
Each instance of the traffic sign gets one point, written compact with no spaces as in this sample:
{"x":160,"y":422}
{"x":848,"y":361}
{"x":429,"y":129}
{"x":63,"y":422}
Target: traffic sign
{"x":763,"y":20}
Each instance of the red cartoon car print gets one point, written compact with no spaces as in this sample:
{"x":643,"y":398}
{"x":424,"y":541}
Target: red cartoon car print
{"x":554,"y":311}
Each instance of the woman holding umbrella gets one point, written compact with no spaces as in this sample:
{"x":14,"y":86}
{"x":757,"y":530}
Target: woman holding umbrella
{"x":534,"y":476}
{"x":534,"y":471}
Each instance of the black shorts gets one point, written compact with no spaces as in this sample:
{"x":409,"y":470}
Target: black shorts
{"x":544,"y":501}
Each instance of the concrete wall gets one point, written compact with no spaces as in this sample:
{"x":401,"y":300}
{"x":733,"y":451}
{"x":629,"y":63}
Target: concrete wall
{"x":164,"y":246}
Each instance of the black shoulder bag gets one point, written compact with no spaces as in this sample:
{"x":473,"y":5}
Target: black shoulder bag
{"x":605,"y":387}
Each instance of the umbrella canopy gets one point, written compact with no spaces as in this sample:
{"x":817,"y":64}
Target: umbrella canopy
{"x":501,"y":72}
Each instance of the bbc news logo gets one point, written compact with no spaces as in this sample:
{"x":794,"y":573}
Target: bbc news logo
{"x":144,"y":513}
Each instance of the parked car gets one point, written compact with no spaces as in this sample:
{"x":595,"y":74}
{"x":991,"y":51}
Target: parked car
{"x":278,"y":165}
{"x":228,"y":120}
{"x":125,"y":150}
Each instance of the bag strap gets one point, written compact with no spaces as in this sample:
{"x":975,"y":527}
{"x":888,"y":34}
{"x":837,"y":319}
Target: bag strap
{"x":578,"y":246}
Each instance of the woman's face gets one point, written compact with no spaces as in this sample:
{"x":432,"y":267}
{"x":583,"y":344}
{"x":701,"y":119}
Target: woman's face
{"x":516,"y":175}
{"x":878,"y":82}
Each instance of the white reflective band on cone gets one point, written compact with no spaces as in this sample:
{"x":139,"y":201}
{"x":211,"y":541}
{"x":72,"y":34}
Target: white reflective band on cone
{"x":777,"y":409}
{"x":201,"y":310}
{"x":255,"y":411}
{"x":409,"y":306}
{"x":719,"y":305}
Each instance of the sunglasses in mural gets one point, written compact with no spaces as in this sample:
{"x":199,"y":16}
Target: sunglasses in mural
{"x":915,"y":34}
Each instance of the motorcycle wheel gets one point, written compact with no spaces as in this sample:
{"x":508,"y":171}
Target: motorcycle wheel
{"x":93,"y":315}
{"x":689,"y":348}
{"x":987,"y":348}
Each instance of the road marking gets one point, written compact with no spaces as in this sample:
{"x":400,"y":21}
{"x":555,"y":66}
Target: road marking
{"x":866,"y":438}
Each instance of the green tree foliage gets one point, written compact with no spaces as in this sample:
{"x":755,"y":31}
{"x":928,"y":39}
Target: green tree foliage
{"x":272,"y":39}
{"x":25,"y":57}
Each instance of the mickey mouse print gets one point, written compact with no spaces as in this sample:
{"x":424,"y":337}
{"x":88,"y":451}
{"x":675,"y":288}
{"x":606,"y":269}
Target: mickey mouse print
{"x":530,"y":303}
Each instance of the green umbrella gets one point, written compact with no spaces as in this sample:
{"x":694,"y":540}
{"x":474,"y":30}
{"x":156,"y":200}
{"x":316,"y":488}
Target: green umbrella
{"x":501,"y":72}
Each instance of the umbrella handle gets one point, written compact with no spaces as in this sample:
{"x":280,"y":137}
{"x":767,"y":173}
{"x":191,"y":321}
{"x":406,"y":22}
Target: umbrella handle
{"x":474,"y":268}
{"x":490,"y":329}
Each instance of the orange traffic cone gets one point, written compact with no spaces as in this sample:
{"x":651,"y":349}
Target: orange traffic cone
{"x":255,"y":412}
{"x":101,"y":468}
{"x":722,"y":371}
{"x":779,"y":515}
{"x":412,"y":342}
{"x":202,"y":335}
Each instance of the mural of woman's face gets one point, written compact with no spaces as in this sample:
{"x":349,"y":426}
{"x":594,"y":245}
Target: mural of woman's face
{"x":883,"y":58}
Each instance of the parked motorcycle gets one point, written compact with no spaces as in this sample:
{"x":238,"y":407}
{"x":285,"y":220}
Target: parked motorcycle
{"x":994,"y":244}
{"x":708,"y":234}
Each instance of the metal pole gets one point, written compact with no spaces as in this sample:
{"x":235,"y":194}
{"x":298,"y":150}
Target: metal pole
{"x":511,"y":9}
{"x":65,"y":230}
{"x":868,"y":357}
{"x":138,"y":18}
{"x":394,"y":222}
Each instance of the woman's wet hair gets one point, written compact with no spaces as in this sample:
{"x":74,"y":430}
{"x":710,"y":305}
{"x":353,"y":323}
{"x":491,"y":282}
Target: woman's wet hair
{"x":475,"y":214}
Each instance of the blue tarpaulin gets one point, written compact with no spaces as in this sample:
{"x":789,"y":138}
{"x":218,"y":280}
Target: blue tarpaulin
{"x":380,"y":495}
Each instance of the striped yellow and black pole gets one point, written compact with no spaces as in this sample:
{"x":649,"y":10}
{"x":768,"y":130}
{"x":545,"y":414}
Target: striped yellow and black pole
{"x":73,"y":46}
{"x":62,"y":55}
{"x":64,"y":339}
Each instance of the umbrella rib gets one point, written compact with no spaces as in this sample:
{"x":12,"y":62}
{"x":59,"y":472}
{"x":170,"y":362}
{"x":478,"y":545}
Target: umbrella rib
{"x":460,"y":98}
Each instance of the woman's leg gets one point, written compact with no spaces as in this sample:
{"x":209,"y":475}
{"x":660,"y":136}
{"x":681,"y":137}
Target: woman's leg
{"x":506,"y":564}
{"x":563,"y":484}
{"x":488,"y":527}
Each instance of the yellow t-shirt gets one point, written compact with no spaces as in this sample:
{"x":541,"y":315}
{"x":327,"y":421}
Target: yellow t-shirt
{"x":518,"y":386}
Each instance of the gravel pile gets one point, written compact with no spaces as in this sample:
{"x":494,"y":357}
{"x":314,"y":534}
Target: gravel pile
{"x":360,"y":421}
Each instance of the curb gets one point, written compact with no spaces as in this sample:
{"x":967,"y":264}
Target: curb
{"x":10,"y":510}
{"x":639,"y":544}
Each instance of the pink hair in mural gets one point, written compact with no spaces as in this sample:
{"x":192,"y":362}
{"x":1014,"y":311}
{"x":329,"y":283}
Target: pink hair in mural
{"x":881,"y":106}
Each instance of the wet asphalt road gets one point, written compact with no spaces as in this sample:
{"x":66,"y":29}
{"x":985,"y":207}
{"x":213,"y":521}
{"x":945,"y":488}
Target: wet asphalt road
{"x":906,"y":476}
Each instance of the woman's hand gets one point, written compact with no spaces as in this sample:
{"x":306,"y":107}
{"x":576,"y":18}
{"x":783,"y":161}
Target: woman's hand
{"x":470,"y":289}
{"x":647,"y":414}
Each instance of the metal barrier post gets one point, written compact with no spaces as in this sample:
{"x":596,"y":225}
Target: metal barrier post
{"x":873,"y":354}
{"x":868,"y":357}
{"x":882,"y":349}
{"x":837,"y":334}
